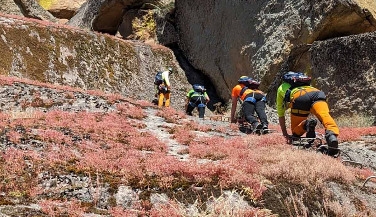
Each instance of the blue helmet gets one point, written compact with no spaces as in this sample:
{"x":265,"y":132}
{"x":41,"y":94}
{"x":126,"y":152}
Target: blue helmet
{"x":296,"y":77}
{"x":243,"y":79}
{"x":249,"y":82}
{"x":199,"y":88}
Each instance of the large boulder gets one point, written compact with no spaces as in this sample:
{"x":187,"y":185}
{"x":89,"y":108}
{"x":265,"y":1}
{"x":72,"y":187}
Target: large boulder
{"x":345,"y":68}
{"x":62,"y":9}
{"x":227,"y":39}
{"x":106,"y":15}
{"x":25,"y":8}
{"x":117,"y":17}
{"x":86,"y":60}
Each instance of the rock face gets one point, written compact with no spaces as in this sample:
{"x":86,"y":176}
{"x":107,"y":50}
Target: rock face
{"x":62,"y":9}
{"x":228,"y":39}
{"x":25,"y":8}
{"x":116,"y":17}
{"x":345,"y":68}
{"x":105,"y":15}
{"x":85,"y":59}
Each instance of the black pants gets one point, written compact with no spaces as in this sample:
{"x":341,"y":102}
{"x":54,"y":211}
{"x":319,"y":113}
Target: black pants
{"x":195,"y":102}
{"x":305,"y":101}
{"x":249,"y":109}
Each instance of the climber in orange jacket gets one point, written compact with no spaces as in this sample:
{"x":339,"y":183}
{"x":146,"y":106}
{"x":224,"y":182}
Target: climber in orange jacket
{"x":253,"y":100}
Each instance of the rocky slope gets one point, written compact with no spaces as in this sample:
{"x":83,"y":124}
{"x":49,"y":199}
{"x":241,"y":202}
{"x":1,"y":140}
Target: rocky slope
{"x":87,"y":60}
{"x":23,"y":98}
{"x":73,"y":142}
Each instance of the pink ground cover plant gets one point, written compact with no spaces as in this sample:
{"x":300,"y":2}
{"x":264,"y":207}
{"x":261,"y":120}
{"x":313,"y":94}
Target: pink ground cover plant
{"x":18,"y":171}
{"x":110,"y":147}
{"x":67,"y":208}
{"x":354,"y":134}
{"x":182,"y":135}
{"x":107,"y":143}
{"x":131,"y":111}
{"x":171,"y":115}
{"x":216,"y":148}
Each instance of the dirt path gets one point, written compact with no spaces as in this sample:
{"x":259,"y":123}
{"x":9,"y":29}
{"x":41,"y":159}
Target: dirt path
{"x":159,"y":128}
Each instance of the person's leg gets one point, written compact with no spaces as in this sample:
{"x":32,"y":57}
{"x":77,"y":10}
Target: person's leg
{"x":298,"y":125}
{"x":300,"y":111}
{"x":167,"y":97}
{"x":160,"y":99}
{"x":201,"y":111}
{"x":260,"y":110}
{"x":190,"y":108}
{"x":201,"y":106}
{"x":249,"y":110}
{"x":321,"y":110}
{"x":310,"y":126}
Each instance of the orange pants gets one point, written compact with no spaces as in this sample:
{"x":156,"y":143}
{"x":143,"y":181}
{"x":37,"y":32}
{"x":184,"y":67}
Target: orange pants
{"x":164,"y":97}
{"x":321,"y":110}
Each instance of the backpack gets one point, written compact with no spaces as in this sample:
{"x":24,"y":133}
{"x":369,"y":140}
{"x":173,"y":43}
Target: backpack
{"x":296,"y":79}
{"x":158,"y":78}
{"x":249,"y":82}
{"x":198,"y":88}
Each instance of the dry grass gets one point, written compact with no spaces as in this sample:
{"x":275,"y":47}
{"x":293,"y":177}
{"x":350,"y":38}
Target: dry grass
{"x":355,"y":120}
{"x":228,"y":204}
{"x":301,"y":167}
{"x":29,"y":113}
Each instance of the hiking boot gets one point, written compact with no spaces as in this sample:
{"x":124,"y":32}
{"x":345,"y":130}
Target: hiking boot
{"x":265,"y":129}
{"x":310,"y":128}
{"x":332,"y":141}
{"x":256,"y":126}
{"x":264,"y":126}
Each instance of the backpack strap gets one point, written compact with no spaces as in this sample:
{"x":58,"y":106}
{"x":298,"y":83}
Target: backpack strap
{"x":243,"y":90}
{"x":288,"y":94}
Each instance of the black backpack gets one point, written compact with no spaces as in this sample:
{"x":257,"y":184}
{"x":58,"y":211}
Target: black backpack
{"x":158,"y":78}
{"x":249,"y":83}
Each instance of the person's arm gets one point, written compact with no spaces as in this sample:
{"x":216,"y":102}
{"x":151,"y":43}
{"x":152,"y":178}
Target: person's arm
{"x":233,"y":109}
{"x":206,"y":97}
{"x":281,"y":110}
{"x":156,"y":90}
{"x":282,"y":124}
{"x":186,"y":104}
{"x":188,"y":97}
{"x":166,"y":80}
